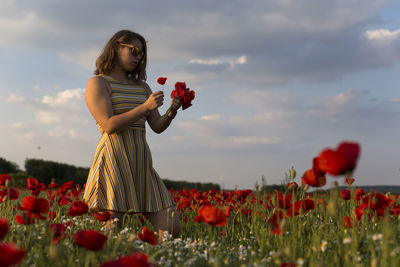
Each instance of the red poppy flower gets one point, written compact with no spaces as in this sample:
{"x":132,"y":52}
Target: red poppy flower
{"x":52,"y":215}
{"x":341,"y":160}
{"x":102,"y":216}
{"x":312,"y":178}
{"x":57,"y":231}
{"x":349,"y":180}
{"x":345,"y":194}
{"x":34,"y":186}
{"x":10,"y":192}
{"x":275,"y":221}
{"x":3,"y":227}
{"x":89,"y":239}
{"x":138,"y":259}
{"x":148,"y":236}
{"x":10,"y":254}
{"x":35,"y":205}
{"x":26,"y":218}
{"x":4,"y":178}
{"x":292,"y":186}
{"x":186,"y":95}
{"x":162,"y":80}
{"x":197,"y":219}
{"x":348,"y":221}
{"x":376,"y":201}
{"x":359,"y":194}
{"x":284,"y":201}
{"x":212,"y":215}
{"x":78,"y":208}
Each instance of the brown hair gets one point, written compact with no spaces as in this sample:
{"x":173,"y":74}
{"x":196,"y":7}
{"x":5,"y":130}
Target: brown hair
{"x":108,"y":58}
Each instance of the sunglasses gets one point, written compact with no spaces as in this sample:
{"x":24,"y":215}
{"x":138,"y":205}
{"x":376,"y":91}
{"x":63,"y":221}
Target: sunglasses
{"x":134,"y":49}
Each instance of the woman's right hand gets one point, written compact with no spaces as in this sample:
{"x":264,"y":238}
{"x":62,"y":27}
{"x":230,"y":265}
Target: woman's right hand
{"x":155,"y":100}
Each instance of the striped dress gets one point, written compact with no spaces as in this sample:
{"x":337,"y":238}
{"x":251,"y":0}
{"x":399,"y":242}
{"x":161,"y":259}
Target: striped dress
{"x":121,"y":176}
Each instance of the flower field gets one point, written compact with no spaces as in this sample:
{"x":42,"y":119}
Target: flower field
{"x":50,"y":226}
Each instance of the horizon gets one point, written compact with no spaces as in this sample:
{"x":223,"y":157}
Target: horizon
{"x":273,"y":88}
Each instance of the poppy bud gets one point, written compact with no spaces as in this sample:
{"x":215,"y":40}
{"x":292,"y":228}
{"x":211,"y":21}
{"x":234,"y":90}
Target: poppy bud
{"x":292,"y":173}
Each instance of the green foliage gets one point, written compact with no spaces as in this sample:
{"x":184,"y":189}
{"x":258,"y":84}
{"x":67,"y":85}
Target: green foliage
{"x":45,"y":170}
{"x":8,"y":166}
{"x":189,"y":185}
{"x":18,"y":179}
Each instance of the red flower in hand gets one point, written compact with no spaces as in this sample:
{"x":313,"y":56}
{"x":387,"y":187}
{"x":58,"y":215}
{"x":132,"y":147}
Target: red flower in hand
{"x":162,"y":80}
{"x":90,"y":239}
{"x":148,"y":236}
{"x":10,"y":254}
{"x":185,"y":94}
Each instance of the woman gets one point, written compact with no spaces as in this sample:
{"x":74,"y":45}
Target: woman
{"x":121,"y":177}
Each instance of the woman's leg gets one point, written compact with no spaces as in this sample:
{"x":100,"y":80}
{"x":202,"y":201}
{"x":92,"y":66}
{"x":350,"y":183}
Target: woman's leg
{"x":165,"y":220}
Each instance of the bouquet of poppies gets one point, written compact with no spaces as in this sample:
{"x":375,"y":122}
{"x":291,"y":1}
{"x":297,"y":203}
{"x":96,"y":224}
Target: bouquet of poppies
{"x":186,"y":95}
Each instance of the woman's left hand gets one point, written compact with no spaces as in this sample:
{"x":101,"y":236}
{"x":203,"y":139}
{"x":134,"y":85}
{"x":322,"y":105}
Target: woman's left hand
{"x":176,"y":103}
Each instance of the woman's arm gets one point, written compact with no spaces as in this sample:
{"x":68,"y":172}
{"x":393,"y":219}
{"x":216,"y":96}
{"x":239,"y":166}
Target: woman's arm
{"x":157,"y":122}
{"x":98,"y":101}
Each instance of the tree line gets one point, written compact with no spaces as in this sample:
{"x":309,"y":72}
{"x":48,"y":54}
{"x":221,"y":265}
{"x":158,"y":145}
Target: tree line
{"x":46,"y":170}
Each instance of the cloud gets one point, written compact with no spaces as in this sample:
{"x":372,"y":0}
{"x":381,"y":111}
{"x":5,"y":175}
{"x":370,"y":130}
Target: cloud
{"x":15,"y":99}
{"x":232,"y":62}
{"x":211,"y":117}
{"x":67,"y":98}
{"x":382,"y":35}
{"x":253,"y":140}
{"x":46,"y":117}
{"x":272,"y":43}
{"x":395,"y":100}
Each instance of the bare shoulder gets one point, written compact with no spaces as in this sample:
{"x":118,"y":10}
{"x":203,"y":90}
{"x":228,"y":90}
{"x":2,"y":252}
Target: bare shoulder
{"x":97,"y":84}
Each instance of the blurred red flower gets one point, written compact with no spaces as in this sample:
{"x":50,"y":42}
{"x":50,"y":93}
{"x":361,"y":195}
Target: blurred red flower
{"x":148,"y":236}
{"x":26,"y":218}
{"x":4,"y":178}
{"x":35,"y":205}
{"x":78,"y":208}
{"x":162,"y":80}
{"x":89,"y":239}
{"x":341,"y":160}
{"x":292,"y":186}
{"x":376,"y":201}
{"x":138,"y":259}
{"x":312,"y":178}
{"x":349,"y":180}
{"x":345,"y":194}
{"x":3,"y":227}
{"x":10,"y":192}
{"x":34,"y":186}
{"x":359,"y":194}
{"x":212,"y":215}
{"x":10,"y":254}
{"x":102,"y":216}
{"x":348,"y":221}
{"x":57,"y":231}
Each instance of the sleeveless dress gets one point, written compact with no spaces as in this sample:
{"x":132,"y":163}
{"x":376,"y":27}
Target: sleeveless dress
{"x":121,"y":176}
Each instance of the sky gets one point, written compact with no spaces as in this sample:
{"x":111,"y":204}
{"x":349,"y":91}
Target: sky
{"x":276,"y":82}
